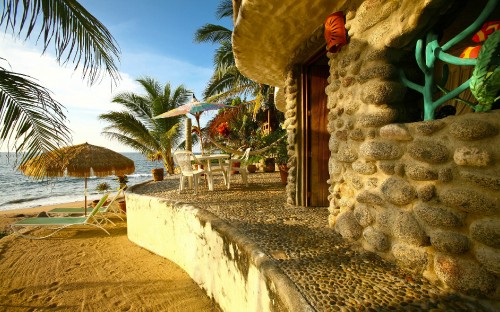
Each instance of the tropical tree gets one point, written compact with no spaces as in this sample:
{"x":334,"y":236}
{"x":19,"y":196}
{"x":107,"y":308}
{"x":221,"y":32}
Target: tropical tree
{"x":227,"y":82}
{"x":136,"y":127}
{"x":31,"y":121}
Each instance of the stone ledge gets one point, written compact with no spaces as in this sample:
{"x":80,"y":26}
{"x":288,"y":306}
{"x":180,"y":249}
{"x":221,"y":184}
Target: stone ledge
{"x":224,"y":262}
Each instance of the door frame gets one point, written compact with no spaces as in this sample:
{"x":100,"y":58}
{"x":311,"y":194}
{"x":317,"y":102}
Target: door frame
{"x":303,"y":111}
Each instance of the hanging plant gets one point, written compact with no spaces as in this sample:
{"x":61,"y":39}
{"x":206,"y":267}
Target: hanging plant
{"x":485,"y":80}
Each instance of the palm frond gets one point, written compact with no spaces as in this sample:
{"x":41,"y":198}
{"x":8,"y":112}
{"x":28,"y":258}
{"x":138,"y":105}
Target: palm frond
{"x":129,"y":125}
{"x":225,"y":9}
{"x":228,"y":82}
{"x":32,"y":121}
{"x":136,"y":127}
{"x":224,"y":57}
{"x":125,"y":140}
{"x":77,"y":36}
{"x":212,"y":33}
{"x":152,"y":87}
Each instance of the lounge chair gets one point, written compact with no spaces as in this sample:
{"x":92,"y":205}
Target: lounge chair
{"x":108,"y":208}
{"x":57,"y":224}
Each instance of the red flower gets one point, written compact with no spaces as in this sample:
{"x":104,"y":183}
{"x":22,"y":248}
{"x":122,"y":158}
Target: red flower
{"x":223,"y":129}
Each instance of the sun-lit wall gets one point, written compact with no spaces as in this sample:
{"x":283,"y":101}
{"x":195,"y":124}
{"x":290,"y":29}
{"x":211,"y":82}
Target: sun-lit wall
{"x":228,"y":266}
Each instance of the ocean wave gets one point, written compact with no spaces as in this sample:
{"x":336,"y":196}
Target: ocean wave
{"x":139,"y":175}
{"x":18,"y":191}
{"x":23,"y":200}
{"x":52,"y":200}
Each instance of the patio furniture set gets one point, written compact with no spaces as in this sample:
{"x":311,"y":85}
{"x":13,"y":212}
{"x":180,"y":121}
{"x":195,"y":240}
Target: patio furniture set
{"x":193,"y":167}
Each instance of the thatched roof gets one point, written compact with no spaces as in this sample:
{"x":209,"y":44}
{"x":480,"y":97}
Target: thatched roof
{"x":267,"y":33}
{"x":83,"y":160}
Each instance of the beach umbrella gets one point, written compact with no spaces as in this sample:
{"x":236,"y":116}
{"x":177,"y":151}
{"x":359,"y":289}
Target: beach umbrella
{"x":195,"y":108}
{"x":83,"y":161}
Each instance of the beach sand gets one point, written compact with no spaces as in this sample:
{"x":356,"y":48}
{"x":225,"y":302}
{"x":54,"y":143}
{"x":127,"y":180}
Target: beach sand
{"x":87,"y":270}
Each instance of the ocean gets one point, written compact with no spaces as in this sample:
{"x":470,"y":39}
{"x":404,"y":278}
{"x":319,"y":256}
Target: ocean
{"x":19,"y":191}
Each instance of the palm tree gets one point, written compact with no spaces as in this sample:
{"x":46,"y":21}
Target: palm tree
{"x":32,"y":121}
{"x":136,"y":127}
{"x":227,"y":82}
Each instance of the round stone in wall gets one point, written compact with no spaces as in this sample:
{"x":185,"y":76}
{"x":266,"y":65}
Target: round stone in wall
{"x":377,"y":70}
{"x":398,"y":191}
{"x":406,"y":228}
{"x":486,"y":231}
{"x":472,"y":129}
{"x":379,"y":150}
{"x":363,"y":215}
{"x":362,"y":167}
{"x":471,"y":156}
{"x":421,"y":173}
{"x":377,"y":239}
{"x":469,"y":201}
{"x":484,"y":180}
{"x":464,"y":275}
{"x":396,"y":132}
{"x":347,"y":226}
{"x":428,"y":151}
{"x":346,"y":153}
{"x":426,"y":192}
{"x":409,"y":256}
{"x":357,"y":135}
{"x":439,"y":216}
{"x":450,"y":242}
{"x":489,"y":258}
{"x":369,"y":198}
{"x":377,"y":119}
{"x":428,"y":127}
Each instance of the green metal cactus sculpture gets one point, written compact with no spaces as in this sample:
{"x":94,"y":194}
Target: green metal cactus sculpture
{"x":426,"y":59}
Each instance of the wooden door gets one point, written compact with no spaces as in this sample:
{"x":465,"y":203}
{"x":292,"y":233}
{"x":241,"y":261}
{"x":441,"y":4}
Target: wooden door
{"x":317,"y":135}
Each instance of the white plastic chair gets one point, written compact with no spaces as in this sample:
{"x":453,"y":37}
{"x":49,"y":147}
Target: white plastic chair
{"x":184,"y":161}
{"x":242,"y":169}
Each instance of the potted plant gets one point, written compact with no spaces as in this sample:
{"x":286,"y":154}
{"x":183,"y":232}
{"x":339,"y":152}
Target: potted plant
{"x":157,"y":174}
{"x":235,"y":164}
{"x":101,"y":188}
{"x":269,"y":164}
{"x":122,"y":180}
{"x":122,"y":205}
{"x":282,"y":159}
{"x":251,"y":167}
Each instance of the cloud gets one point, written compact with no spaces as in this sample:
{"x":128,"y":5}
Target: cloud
{"x":84,"y":103}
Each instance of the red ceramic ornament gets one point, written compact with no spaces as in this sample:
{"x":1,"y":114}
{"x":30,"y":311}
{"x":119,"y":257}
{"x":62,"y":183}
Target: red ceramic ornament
{"x":335,"y":34}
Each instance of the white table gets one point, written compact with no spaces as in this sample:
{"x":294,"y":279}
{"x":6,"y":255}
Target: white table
{"x":207,"y":163}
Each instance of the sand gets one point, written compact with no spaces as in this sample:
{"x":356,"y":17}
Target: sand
{"x":87,"y":270}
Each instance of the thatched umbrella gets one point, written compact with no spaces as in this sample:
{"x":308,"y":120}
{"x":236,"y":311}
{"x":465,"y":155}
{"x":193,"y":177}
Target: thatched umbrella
{"x":82,"y":161}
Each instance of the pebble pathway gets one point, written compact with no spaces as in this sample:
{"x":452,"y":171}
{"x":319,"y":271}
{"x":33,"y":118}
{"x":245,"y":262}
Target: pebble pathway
{"x":331,"y":274}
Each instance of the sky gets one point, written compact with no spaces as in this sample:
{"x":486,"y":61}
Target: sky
{"x":156,"y":39}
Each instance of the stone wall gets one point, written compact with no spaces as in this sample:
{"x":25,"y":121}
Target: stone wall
{"x":220,"y":259}
{"x":425,"y":194}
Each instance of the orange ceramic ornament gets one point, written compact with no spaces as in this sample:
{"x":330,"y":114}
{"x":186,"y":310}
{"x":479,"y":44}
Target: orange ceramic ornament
{"x":335,"y":34}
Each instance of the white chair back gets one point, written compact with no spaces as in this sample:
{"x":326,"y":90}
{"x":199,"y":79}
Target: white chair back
{"x":244,"y":158}
{"x":183,"y":160}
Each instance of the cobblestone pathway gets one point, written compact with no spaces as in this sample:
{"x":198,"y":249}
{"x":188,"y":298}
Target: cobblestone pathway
{"x":327,"y":270}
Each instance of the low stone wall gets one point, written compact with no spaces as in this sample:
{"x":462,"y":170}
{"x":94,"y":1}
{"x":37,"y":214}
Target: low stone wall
{"x":228,"y":266}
